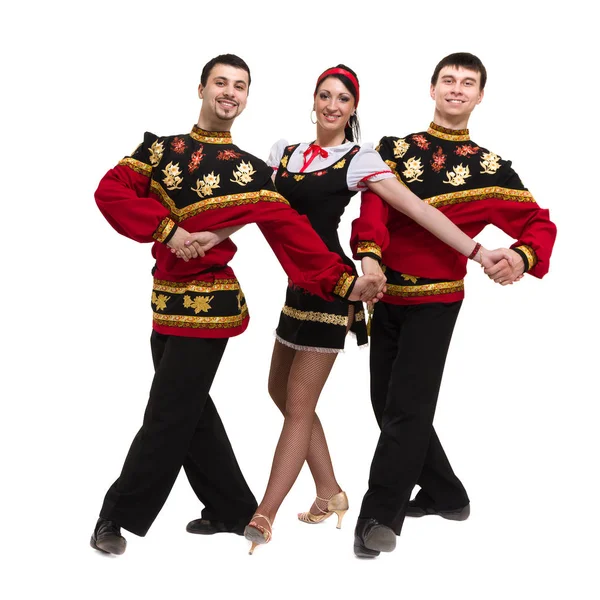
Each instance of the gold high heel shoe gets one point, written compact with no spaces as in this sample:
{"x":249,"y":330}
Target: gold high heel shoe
{"x":257,"y":534}
{"x":337,"y":504}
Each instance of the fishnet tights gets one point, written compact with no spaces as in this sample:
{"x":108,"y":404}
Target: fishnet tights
{"x":296,"y":380}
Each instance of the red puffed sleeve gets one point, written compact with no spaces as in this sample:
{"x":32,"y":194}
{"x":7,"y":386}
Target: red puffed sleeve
{"x":526,"y":222}
{"x":370,"y":236}
{"x":122,"y":197}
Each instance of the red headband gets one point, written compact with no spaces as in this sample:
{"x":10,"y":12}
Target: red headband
{"x":338,"y":71}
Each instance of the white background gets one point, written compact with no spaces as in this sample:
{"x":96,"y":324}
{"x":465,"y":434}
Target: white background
{"x":518,"y":408}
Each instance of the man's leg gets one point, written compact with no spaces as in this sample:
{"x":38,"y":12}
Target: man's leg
{"x":185,"y":369}
{"x":216,"y":478}
{"x":441,"y":490}
{"x":407,"y":419}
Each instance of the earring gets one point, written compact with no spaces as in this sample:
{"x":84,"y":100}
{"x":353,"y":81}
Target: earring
{"x":311,"y":116}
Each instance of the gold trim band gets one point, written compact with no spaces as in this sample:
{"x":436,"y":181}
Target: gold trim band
{"x":137,"y":166}
{"x":211,"y":137}
{"x":200,"y":287}
{"x":494,"y":192}
{"x":317,"y":317}
{"x":343,"y":285}
{"x":428,"y":289}
{"x":529,"y":252}
{"x":368,"y":247}
{"x":164,"y":229}
{"x":198,"y":322}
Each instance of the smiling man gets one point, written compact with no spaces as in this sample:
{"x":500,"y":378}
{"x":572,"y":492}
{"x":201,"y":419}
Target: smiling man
{"x":412,"y":327}
{"x":201,"y":181}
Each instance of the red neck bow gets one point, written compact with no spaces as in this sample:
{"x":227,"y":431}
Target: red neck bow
{"x":310,"y":153}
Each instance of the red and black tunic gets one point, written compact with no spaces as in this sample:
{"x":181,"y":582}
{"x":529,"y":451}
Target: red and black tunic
{"x":202,"y":182}
{"x":473,"y":187}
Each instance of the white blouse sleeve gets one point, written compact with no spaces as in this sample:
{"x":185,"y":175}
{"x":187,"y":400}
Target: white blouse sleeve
{"x":367,"y":165}
{"x":276,"y":153}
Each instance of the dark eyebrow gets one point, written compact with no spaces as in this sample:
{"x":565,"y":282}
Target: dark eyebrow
{"x":226,"y":79}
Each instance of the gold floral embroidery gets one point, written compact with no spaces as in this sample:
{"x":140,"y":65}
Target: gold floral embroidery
{"x":317,"y":317}
{"x":400,"y":148}
{"x":206,"y":186}
{"x":360,"y":316}
{"x":458,"y":175}
{"x":172,"y":177}
{"x":429,"y":289}
{"x":199,"y":303}
{"x":160,"y":300}
{"x":412,"y":278}
{"x":298,"y":177}
{"x":414,"y":169}
{"x":240,"y":297}
{"x":490,"y":163}
{"x":243,"y":174}
{"x":284,"y":162}
{"x":210,"y":137}
{"x":156,"y":152}
{"x":339,"y":164}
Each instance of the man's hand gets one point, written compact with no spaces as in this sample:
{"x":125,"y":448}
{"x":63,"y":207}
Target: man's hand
{"x":505,"y":272}
{"x":368,"y":288}
{"x":201,"y":242}
{"x":178,"y":246}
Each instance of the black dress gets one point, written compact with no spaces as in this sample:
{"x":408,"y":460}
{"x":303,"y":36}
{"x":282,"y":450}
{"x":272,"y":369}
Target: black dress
{"x":308,"y":322}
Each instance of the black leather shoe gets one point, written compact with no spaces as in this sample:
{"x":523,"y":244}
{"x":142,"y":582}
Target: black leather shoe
{"x":371,"y":538}
{"x":207,"y":527}
{"x":456,"y":514}
{"x":107,"y":537}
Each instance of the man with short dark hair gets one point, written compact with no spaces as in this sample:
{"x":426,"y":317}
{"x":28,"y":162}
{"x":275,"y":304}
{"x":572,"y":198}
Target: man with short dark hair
{"x":412,"y":326}
{"x":200,"y":181}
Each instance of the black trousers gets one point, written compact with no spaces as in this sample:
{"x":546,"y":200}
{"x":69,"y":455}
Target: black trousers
{"x":409,"y":345}
{"x":181,"y":427}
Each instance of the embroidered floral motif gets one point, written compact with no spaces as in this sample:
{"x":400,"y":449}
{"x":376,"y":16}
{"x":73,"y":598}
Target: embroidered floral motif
{"x":355,"y":150}
{"x":156,"y":152}
{"x":178,"y":145}
{"x":400,"y":148}
{"x":412,"y":278}
{"x":490,"y":163}
{"x":438,"y":161}
{"x":240,"y":297}
{"x":207,"y":184}
{"x":285,"y":174}
{"x":290,"y":148}
{"x":196,"y":159}
{"x":339,"y":164}
{"x":298,"y":177}
{"x":284,"y":161}
{"x":243,"y":174}
{"x":421,"y":141}
{"x":199,"y":303}
{"x":414,"y":169}
{"x":228,"y":155}
{"x":466,"y":150}
{"x":458,"y":175}
{"x":319,"y":173}
{"x":172,"y":179}
{"x":160,"y":300}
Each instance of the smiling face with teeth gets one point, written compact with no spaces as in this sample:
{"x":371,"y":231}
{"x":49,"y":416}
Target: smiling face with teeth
{"x":334,"y":103}
{"x":456,"y":93}
{"x":223,"y":97}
